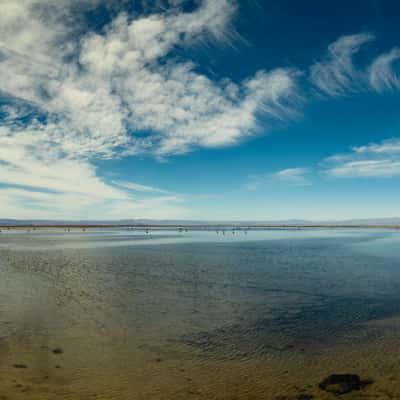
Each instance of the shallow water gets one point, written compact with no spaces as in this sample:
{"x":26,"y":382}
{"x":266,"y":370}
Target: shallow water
{"x":181,"y":315}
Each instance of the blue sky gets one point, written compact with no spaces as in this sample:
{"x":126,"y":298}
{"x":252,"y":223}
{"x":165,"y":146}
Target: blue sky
{"x":208,"y":110}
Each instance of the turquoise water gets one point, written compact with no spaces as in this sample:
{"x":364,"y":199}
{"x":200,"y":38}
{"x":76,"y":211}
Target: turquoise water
{"x":198,"y":314}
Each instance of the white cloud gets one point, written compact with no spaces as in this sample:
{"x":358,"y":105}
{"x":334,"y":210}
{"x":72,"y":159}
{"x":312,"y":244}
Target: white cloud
{"x":122,"y":85}
{"x":28,"y":204}
{"x":367,"y":168}
{"x":382,"y":73}
{"x":336,"y":74}
{"x":288,"y":176}
{"x":41,"y":184}
{"x":182,"y":107}
{"x":42,"y":169}
{"x":136,"y":187}
{"x":372,"y":160}
{"x":75,"y":96}
{"x":294,"y":176}
{"x":390,"y":146}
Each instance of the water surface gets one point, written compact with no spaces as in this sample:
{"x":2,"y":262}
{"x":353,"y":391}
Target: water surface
{"x":118,"y":314}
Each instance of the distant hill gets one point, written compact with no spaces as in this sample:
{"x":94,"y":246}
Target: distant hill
{"x":372,"y":221}
{"x":395,"y":221}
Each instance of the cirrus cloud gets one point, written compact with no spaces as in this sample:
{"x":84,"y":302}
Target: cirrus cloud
{"x":370,"y":161}
{"x":382,"y":73}
{"x":336,"y":74}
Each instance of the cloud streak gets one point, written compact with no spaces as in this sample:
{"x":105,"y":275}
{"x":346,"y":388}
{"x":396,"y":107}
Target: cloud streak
{"x":375,"y":160}
{"x":136,"y":187}
{"x":382,"y":73}
{"x":287,"y":177}
{"x":293,"y":176}
{"x":336,"y":75}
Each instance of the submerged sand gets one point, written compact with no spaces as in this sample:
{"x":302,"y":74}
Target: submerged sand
{"x":254,"y":320}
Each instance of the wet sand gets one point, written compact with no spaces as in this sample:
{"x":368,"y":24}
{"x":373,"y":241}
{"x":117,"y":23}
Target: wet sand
{"x":142,"y":377}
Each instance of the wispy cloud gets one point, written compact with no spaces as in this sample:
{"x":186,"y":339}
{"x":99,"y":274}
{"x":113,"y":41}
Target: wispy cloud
{"x":39,"y":184}
{"x":336,"y":74}
{"x":383,"y":74}
{"x":389,"y":146}
{"x":293,"y":176}
{"x":372,"y":160}
{"x":28,"y":203}
{"x":136,"y":187}
{"x":366,"y":168}
{"x":288,"y":176}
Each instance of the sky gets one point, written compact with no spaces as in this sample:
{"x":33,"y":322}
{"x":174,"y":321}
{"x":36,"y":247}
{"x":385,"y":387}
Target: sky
{"x":205,"y":109}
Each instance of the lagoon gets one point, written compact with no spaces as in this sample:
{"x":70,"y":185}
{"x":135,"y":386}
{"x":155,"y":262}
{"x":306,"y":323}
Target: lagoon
{"x":122,"y":314}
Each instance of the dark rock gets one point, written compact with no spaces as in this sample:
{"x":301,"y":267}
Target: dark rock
{"x":343,"y":383}
{"x":304,"y":396}
{"x":20,"y":366}
{"x":57,"y":351}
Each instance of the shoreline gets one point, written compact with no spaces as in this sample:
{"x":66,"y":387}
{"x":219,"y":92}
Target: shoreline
{"x":196,"y":227}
